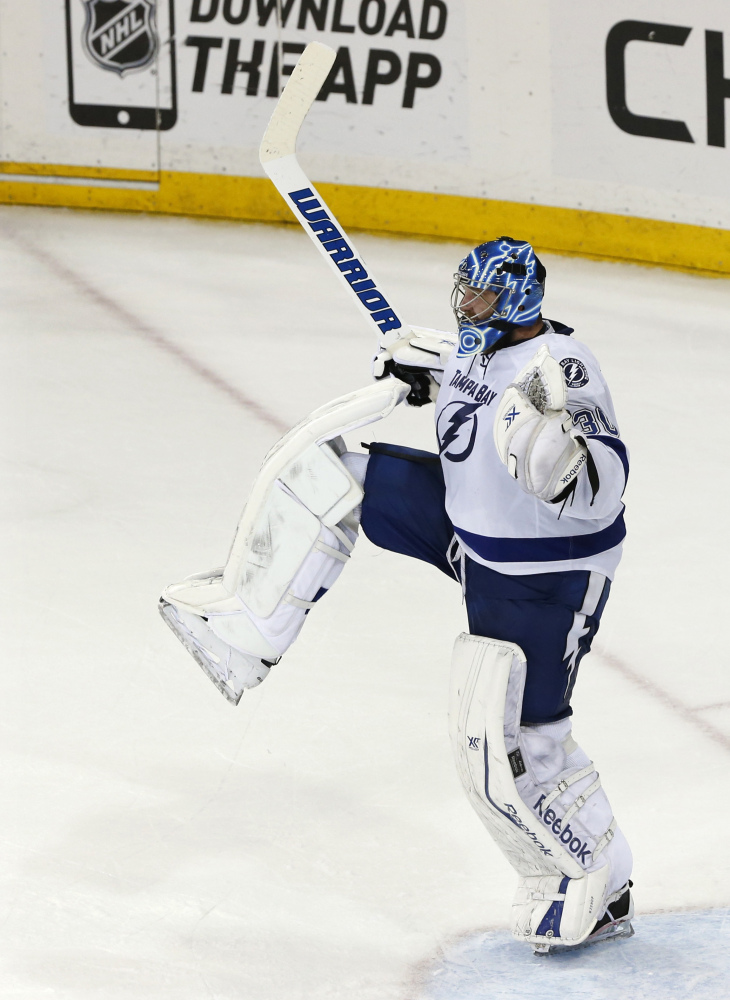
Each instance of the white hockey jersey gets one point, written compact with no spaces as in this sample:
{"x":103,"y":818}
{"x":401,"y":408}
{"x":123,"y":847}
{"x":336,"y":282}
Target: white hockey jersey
{"x":497,"y":523}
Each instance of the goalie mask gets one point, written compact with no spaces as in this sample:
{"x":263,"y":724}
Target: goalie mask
{"x":498,"y":287}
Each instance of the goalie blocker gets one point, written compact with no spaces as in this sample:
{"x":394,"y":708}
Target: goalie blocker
{"x":292,"y":542}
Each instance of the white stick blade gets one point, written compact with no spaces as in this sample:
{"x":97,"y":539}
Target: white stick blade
{"x":310,"y":72}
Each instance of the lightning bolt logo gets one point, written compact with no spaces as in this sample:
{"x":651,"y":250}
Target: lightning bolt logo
{"x":452,"y":419}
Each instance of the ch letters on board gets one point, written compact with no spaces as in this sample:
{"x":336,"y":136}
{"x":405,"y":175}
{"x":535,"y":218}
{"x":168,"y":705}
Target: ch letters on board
{"x":717,"y":85}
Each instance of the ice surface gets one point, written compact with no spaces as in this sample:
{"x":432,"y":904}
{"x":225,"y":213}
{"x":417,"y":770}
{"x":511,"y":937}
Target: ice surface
{"x":673,"y":955}
{"x":315,"y":841}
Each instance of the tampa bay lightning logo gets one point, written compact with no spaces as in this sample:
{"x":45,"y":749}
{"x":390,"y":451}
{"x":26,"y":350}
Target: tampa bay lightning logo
{"x":575,"y":373}
{"x":457,"y":430}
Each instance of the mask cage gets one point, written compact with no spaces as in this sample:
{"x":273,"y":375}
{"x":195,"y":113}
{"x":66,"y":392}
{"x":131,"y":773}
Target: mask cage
{"x":496,"y":309}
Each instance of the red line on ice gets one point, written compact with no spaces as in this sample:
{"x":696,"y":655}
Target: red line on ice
{"x":147,"y":332}
{"x":665,"y":698}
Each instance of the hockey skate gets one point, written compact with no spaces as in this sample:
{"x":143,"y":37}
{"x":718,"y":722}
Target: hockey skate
{"x":230,"y":669}
{"x":615,"y":923}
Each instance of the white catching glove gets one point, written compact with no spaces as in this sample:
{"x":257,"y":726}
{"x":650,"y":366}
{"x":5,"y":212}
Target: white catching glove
{"x":534,"y":432}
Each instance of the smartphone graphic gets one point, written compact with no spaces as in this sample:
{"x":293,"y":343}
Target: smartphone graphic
{"x":121,"y":63}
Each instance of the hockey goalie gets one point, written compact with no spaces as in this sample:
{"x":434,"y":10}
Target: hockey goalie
{"x":522,"y":508}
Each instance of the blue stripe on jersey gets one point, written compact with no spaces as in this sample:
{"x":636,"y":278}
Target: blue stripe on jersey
{"x":615,"y":445}
{"x":545,"y":549}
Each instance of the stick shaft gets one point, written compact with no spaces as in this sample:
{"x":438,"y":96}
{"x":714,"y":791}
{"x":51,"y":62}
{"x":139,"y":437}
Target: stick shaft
{"x":279,"y":160}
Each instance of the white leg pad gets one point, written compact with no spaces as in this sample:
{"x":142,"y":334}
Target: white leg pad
{"x":292,"y":542}
{"x":263,"y":560}
{"x":538,"y":795}
{"x":487,"y":683}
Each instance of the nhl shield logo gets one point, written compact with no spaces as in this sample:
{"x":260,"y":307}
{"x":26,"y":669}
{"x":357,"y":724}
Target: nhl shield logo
{"x":119,"y":35}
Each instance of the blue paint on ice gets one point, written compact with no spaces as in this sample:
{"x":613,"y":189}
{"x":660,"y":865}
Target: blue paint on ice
{"x":672,"y":955}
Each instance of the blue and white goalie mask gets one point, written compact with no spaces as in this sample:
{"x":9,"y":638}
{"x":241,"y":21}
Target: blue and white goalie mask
{"x":498,"y":287}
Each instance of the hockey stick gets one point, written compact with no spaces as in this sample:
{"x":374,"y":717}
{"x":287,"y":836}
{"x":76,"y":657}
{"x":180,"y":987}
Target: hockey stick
{"x":279,"y":160}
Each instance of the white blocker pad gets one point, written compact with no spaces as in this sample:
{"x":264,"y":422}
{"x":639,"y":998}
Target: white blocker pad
{"x":420,"y":348}
{"x":425,"y":348}
{"x":292,"y":542}
{"x":533,"y":432}
{"x":538,"y":795}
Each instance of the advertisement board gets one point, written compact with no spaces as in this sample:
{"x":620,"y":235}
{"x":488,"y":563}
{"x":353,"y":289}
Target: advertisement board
{"x":595,"y":129}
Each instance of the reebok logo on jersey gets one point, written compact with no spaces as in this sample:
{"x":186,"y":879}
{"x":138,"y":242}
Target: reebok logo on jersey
{"x":575,"y":373}
{"x":331,"y":238}
{"x":574,"y":844}
{"x":478,"y":391}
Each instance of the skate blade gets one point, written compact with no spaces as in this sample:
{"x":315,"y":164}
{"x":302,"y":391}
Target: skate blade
{"x":197,"y":652}
{"x":611,"y":932}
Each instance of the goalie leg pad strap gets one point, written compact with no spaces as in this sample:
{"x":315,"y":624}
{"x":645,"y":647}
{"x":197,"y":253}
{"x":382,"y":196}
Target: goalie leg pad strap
{"x":564,"y":791}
